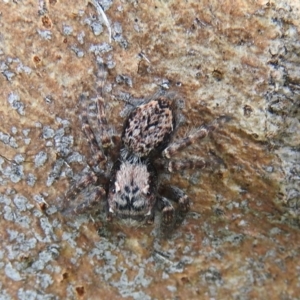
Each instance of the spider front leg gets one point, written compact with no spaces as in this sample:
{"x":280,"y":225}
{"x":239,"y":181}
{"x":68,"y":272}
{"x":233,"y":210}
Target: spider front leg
{"x":98,"y":156}
{"x":177,"y":195}
{"x":77,"y":187}
{"x":197,"y":134}
{"x":104,"y":128}
{"x":167,"y":210}
{"x":92,"y":200}
{"x":201,"y":133}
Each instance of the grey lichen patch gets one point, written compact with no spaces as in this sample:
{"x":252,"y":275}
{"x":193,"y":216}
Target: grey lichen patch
{"x":31,"y":179}
{"x":16,"y":103}
{"x":5,"y":294}
{"x":291,"y":161}
{"x":117,"y":32}
{"x":19,"y":158}
{"x":212,"y":276}
{"x":9,"y":140}
{"x":22,"y":203}
{"x":63,"y":142}
{"x":124,"y":79}
{"x":21,"y":244}
{"x":77,"y":51}
{"x":52,"y":210}
{"x":15,"y":172}
{"x":24,"y":294}
{"x":26,"y":132}
{"x":255,"y":271}
{"x":13,"y":215}
{"x":80,"y":37}
{"x":117,"y":28}
{"x":110,"y":65}
{"x":3,"y":66}
{"x":48,"y":132}
{"x":67,"y":29}
{"x":172,"y":288}
{"x":121,"y":41}
{"x":75,"y":157}
{"x":106,"y":4}
{"x":40,"y":159}
{"x":63,"y":122}
{"x":45,"y":280}
{"x":104,"y":252}
{"x":133,"y":283}
{"x":294,"y":205}
{"x":24,"y":69}
{"x":100,"y":48}
{"x":234,"y":238}
{"x":14,"y":130}
{"x":275,"y":231}
{"x":47,"y":227}
{"x":282,"y":109}
{"x":7,"y":213}
{"x":70,"y":238}
{"x":40,"y":200}
{"x":8,"y":75}
{"x":128,"y":288}
{"x":38,"y":124}
{"x":12,"y":273}
{"x":56,"y":172}
{"x":4,"y":199}
{"x":49,"y":144}
{"x":45,"y":34}
{"x":27,"y":141}
{"x":45,"y":257}
{"x":13,"y":64}
{"x":117,"y":35}
{"x":95,"y":25}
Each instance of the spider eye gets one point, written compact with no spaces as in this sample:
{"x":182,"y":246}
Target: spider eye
{"x":113,"y":190}
{"x":148,"y":193}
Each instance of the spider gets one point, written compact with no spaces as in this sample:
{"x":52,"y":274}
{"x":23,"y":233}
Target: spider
{"x":131,"y":188}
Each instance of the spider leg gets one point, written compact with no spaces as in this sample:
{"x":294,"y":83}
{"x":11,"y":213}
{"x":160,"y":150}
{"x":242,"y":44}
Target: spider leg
{"x":177,"y":195}
{"x":93,"y":199}
{"x":177,"y":165}
{"x":98,"y":155}
{"x":104,"y":128}
{"x":200,"y":133}
{"x":167,"y":210}
{"x":77,"y":187}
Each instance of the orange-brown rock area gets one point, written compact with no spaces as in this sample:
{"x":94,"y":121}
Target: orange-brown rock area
{"x":241,"y":238}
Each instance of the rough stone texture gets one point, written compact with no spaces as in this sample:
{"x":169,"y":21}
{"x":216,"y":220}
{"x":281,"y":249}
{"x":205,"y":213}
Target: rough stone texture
{"x":241,"y":239}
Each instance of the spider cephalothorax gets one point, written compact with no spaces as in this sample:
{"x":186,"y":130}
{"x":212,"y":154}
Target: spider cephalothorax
{"x":131,"y":188}
{"x":132,"y":193}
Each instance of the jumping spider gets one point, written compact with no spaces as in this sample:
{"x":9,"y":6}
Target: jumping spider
{"x":131,"y":187}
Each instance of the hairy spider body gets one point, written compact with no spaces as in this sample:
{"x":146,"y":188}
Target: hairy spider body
{"x":149,"y":127}
{"x":132,"y":190}
{"x":146,"y":132}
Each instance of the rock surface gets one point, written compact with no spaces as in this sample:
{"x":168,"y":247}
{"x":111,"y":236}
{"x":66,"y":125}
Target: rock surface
{"x":241,"y":239}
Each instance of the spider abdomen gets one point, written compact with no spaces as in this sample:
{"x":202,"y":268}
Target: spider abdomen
{"x":149,"y":127}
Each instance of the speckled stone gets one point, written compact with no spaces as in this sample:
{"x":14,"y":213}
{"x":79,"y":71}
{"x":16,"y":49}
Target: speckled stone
{"x":241,"y":238}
